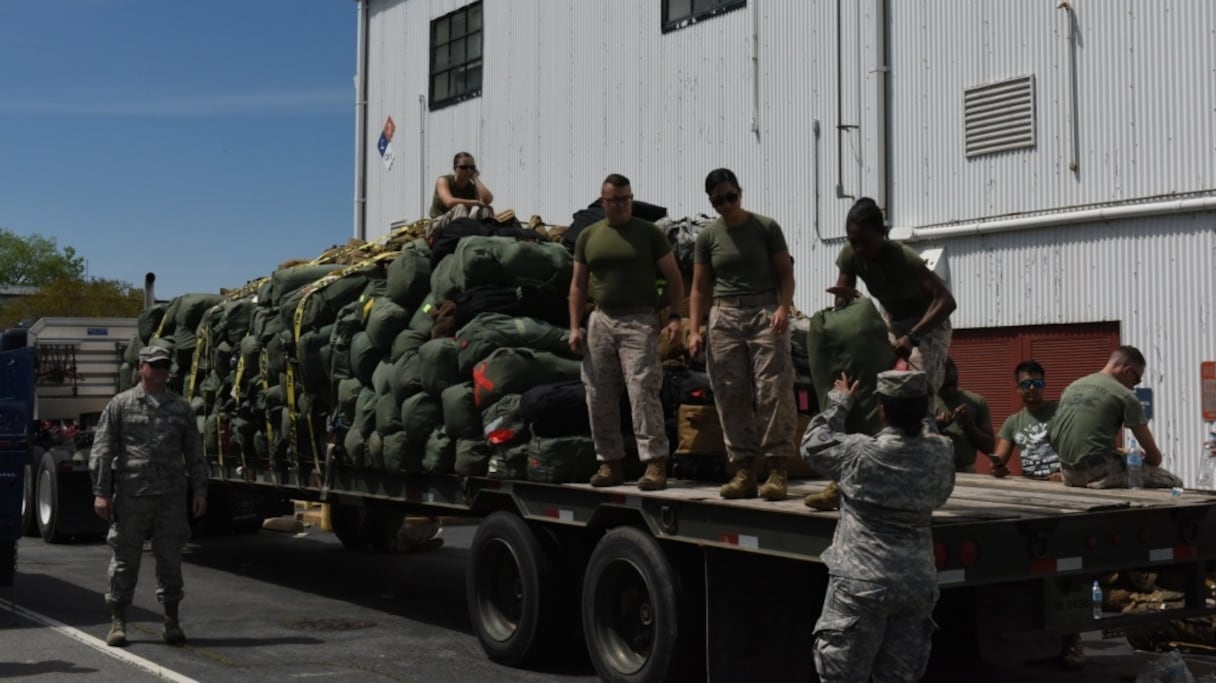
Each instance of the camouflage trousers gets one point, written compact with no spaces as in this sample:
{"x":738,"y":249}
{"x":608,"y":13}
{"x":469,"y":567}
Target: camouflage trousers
{"x":874,"y":629}
{"x":135,"y":517}
{"x":752,"y":376}
{"x":930,"y":356}
{"x":622,"y":352}
{"x":1111,"y":473}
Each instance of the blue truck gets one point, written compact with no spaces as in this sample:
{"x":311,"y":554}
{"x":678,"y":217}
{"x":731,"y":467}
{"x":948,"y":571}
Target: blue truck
{"x":16,"y":412}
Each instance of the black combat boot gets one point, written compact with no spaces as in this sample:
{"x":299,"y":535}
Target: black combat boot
{"x":172,"y":634}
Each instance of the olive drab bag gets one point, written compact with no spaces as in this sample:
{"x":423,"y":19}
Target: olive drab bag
{"x":514,"y":371}
{"x":491,"y":331}
{"x":851,"y":340}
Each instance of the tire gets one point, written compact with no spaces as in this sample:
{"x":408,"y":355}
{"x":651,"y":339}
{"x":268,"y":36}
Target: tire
{"x":363,"y":527}
{"x":631,"y":609}
{"x":29,"y":500}
{"x":514,"y":591}
{"x":47,"y":508}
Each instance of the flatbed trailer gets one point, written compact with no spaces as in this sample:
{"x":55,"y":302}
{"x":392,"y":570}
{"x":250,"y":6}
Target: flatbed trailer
{"x":681,"y":584}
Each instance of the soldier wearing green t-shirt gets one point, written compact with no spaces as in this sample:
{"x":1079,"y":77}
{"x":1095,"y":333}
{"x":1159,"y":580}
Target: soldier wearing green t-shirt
{"x":617,"y":261}
{"x":1092,"y":412}
{"x":742,"y":266}
{"x":915,"y":302}
{"x":461,"y":188}
{"x":964,"y":418}
{"x":1026,"y":429}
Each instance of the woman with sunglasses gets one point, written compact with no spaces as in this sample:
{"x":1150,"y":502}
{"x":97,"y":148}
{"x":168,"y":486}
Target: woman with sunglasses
{"x":463,"y":188}
{"x":741,"y":265}
{"x":1027,"y":429}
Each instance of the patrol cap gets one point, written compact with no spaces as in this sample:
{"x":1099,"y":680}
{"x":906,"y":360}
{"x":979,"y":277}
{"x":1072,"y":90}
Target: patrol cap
{"x":153,"y":354}
{"x":903,"y":383}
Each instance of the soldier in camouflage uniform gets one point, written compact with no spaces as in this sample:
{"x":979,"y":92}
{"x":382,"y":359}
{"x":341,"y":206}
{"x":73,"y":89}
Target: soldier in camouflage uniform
{"x":742,"y":261}
{"x":876,"y":617}
{"x":618,"y":260}
{"x":145,"y":454}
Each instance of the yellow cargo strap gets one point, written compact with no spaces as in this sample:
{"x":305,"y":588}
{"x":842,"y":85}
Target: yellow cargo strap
{"x":236,"y":380}
{"x":202,"y":337}
{"x":265,"y":363}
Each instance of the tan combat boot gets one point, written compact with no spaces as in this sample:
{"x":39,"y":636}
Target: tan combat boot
{"x":774,"y":488}
{"x":172,"y":634}
{"x":655,"y":478}
{"x":744,"y":483}
{"x":827,"y":499}
{"x":609,"y":474}
{"x":117,"y":637}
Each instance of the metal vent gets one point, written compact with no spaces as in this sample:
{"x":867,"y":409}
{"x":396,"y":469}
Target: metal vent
{"x":999,"y":116}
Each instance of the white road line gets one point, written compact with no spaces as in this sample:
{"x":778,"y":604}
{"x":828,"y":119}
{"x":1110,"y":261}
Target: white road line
{"x":100,"y":645}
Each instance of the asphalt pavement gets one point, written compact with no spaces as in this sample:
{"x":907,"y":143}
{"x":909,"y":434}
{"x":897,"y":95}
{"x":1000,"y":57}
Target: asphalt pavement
{"x":280,"y":606}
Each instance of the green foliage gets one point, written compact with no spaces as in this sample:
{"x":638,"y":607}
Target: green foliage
{"x":75,"y":297}
{"x":36,"y":261}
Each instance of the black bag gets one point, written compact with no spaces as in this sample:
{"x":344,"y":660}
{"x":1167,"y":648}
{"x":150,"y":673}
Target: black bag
{"x":525,"y":301}
{"x":595,"y":213}
{"x":557,"y":409}
{"x":561,"y":460}
{"x":450,"y":236}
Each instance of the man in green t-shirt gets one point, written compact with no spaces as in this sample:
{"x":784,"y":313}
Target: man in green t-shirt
{"x":1027,"y":429}
{"x":618,"y":261}
{"x":964,"y":418}
{"x":1092,"y":412}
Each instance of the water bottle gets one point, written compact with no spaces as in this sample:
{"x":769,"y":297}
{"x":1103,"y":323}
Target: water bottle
{"x":1135,"y":466}
{"x":1207,"y":467}
{"x":1097,"y":600}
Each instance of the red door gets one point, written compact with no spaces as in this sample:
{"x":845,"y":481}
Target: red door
{"x":986,"y":359}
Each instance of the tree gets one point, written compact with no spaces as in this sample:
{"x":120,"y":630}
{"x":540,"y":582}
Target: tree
{"x":75,"y":297}
{"x":35,"y":261}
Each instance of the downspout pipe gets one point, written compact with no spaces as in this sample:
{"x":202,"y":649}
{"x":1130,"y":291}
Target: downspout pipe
{"x":756,"y":68}
{"x":1074,"y":149}
{"x":882,"y":81}
{"x":1057,"y":219}
{"x":840,"y":125}
{"x":360,"y":218}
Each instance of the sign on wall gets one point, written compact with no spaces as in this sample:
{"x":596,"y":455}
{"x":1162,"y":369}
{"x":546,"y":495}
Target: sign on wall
{"x":385,"y":143}
{"x":1207,"y":391}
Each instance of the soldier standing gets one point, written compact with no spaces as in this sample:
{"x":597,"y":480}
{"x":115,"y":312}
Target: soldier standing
{"x":620,"y":257}
{"x":145,"y":454}
{"x":743,"y":263}
{"x":883,"y":580}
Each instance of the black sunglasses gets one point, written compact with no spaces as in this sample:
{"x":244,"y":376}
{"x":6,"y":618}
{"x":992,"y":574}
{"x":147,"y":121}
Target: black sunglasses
{"x":1028,"y":383}
{"x":160,"y":365}
{"x":729,"y":198}
{"x":465,"y":167}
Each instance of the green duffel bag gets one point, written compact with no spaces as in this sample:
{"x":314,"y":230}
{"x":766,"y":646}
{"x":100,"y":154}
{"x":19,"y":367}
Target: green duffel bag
{"x":422,"y":322}
{"x":446,"y":279}
{"x":320,"y":302}
{"x":388,"y":415}
{"x":421,"y":414}
{"x":365,"y":411}
{"x":348,"y":397}
{"x":507,"y":261}
{"x":488,"y":332}
{"x":375,"y":452}
{"x":439,"y":369}
{"x":284,"y":281}
{"x":408,"y":341}
{"x":149,"y":320}
{"x":385,"y":322}
{"x":313,"y":351}
{"x":354,"y":447}
{"x":501,"y":423}
{"x":381,"y":376}
{"x":348,"y":324}
{"x":236,"y":317}
{"x":406,"y":377}
{"x":191,"y":308}
{"x":363,"y":358}
{"x":439,"y":455}
{"x":130,"y":355}
{"x":509,"y":462}
{"x":211,"y":435}
{"x":514,"y":371}
{"x":473,"y":457}
{"x":561,"y":459}
{"x":402,"y":456}
{"x":461,"y":417}
{"x":852,"y":340}
{"x":409,"y":275}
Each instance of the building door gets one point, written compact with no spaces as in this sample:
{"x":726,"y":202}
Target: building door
{"x":986,"y":359}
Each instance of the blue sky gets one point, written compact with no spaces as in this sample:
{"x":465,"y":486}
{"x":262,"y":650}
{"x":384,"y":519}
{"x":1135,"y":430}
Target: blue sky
{"x":206,"y":141}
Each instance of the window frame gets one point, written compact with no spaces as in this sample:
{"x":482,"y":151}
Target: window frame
{"x":694,"y":17}
{"x":450,"y":68}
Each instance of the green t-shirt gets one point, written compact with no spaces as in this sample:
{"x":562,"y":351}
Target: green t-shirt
{"x":1092,"y":411}
{"x":1028,"y":432}
{"x":893,"y":278}
{"x":467,"y":192}
{"x":964,"y":450}
{"x":742,"y":256}
{"x":622,"y":261}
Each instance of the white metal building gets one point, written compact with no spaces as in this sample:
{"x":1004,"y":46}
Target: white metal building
{"x":1057,"y":156}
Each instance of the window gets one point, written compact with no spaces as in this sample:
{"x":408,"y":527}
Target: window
{"x":456,"y":56}
{"x":678,"y":14}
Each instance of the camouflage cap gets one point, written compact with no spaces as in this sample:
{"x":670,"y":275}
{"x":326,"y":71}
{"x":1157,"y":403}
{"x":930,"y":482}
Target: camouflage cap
{"x":903,"y":383}
{"x":153,"y":354}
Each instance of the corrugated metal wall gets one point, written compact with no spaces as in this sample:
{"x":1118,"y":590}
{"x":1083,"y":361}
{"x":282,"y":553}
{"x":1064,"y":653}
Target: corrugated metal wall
{"x":575,"y":90}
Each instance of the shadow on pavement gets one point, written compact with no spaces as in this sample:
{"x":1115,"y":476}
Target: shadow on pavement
{"x":51,"y":666}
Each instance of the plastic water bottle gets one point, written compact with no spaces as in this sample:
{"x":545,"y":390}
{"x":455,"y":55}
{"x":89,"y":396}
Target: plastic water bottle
{"x":1135,"y":466}
{"x":1207,"y":467}
{"x":1097,"y":600}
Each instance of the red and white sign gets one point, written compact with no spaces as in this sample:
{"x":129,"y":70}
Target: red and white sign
{"x":1207,"y":390}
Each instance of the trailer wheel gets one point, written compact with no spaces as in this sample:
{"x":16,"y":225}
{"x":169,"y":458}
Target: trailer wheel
{"x":29,"y":522}
{"x":631,"y":609}
{"x":47,"y":502}
{"x":514,"y":590}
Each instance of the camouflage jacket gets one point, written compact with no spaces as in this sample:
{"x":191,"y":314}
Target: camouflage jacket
{"x":890,"y":485}
{"x":147,"y":445}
